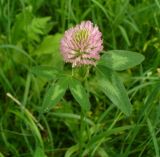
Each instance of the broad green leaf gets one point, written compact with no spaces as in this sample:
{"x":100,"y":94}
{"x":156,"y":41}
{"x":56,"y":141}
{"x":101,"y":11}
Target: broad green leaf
{"x":50,"y":47}
{"x":44,"y":71}
{"x":29,"y":27}
{"x":38,"y":26}
{"x":120,"y":59}
{"x":79,"y":94}
{"x":21,"y":21}
{"x":111,"y":85}
{"x":54,"y":94}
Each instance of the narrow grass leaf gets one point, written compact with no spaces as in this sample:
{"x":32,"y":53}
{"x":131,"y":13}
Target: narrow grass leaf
{"x":17,"y":49}
{"x":71,"y":150}
{"x":104,"y":135}
{"x":101,"y":7}
{"x":27,"y":87}
{"x":153,"y":135}
{"x":143,"y":113}
{"x":10,"y":147}
{"x":28,"y":119}
{"x":133,"y":25}
{"x":72,"y":116}
{"x":102,"y":152}
{"x":158,"y":3}
{"x":124,"y":34}
{"x":5,"y":82}
{"x":39,"y":152}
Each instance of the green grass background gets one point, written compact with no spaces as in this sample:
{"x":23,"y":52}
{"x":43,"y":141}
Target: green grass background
{"x":30,"y":31}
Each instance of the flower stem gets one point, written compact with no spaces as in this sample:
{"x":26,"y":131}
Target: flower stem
{"x":82,"y":128}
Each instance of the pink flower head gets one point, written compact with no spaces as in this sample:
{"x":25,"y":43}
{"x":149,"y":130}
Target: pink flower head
{"x":82,"y":44}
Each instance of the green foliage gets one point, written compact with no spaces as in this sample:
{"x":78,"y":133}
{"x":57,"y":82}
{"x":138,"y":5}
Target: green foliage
{"x":29,"y":27}
{"x":79,"y":94}
{"x":39,"y":152}
{"x":120,"y":60}
{"x":112,"y":87}
{"x":49,"y":109}
{"x":1,"y":155}
{"x":50,"y":47}
{"x":54,"y":94}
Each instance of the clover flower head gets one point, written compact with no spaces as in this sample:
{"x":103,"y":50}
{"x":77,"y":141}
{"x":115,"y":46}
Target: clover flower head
{"x":82,"y":44}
